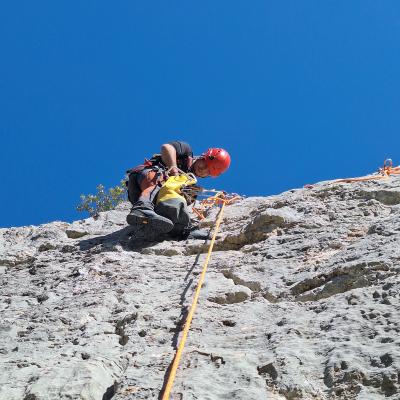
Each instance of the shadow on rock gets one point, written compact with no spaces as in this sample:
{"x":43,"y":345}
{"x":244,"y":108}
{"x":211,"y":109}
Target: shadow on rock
{"x":122,"y":237}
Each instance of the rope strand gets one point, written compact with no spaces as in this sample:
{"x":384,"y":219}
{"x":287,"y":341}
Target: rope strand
{"x":189,"y":318}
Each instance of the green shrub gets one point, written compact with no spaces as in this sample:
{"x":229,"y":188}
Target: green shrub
{"x":103,"y":200}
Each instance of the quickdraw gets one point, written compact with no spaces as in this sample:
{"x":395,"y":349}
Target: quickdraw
{"x":211,"y":198}
{"x":388,"y":168}
{"x":383,"y":173}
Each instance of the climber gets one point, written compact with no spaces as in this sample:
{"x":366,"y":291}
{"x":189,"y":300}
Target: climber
{"x":150,"y":220}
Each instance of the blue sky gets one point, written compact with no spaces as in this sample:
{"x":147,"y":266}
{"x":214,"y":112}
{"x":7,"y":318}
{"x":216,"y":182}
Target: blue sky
{"x":296,"y":91}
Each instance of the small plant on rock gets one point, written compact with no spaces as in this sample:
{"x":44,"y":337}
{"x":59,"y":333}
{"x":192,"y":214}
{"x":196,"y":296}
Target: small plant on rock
{"x":103,"y":200}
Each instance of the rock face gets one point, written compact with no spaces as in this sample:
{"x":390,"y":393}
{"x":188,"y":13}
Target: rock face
{"x":301,"y":301}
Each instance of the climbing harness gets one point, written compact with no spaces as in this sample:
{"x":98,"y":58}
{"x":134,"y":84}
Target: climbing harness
{"x":383,"y":173}
{"x":156,"y":166}
{"x":219,"y":199}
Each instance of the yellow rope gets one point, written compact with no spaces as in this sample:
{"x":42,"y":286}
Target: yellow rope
{"x":178,"y":354}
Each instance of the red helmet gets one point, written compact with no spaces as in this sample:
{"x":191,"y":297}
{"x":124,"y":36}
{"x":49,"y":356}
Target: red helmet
{"x":217,"y":160}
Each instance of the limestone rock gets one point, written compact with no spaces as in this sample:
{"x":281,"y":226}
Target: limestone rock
{"x":300,"y":301}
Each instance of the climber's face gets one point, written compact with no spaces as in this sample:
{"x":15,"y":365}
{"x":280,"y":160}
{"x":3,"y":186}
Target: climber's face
{"x":200,"y":168}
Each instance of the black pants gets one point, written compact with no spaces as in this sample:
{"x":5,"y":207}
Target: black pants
{"x":143,"y":187}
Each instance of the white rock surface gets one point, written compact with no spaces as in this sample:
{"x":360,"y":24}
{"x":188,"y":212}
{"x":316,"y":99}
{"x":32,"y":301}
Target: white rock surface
{"x":301,"y":301}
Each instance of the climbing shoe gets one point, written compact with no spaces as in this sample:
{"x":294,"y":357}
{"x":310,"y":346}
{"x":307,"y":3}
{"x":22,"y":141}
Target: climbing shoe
{"x":199,"y":234}
{"x":147,"y":224}
{"x":194,"y":232}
